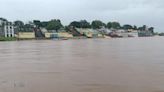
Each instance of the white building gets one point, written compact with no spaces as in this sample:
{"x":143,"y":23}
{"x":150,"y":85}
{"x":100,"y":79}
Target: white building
{"x":9,"y":30}
{"x":6,"y":28}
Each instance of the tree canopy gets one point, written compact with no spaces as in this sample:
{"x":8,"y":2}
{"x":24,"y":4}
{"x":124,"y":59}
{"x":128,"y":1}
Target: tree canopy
{"x":127,"y":26}
{"x":37,"y":23}
{"x":80,"y":24}
{"x":85,"y":24}
{"x":18,"y":23}
{"x":109,"y":25}
{"x":75,"y":24}
{"x":54,"y":25}
{"x":116,"y":25}
{"x":135,"y":27}
{"x":97,"y":24}
{"x":151,"y":29}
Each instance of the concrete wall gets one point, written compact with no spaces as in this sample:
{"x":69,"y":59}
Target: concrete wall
{"x":26,"y":35}
{"x":65,"y":35}
{"x":59,"y":35}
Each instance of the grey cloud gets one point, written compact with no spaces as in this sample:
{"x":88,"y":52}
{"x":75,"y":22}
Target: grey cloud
{"x":135,"y":12}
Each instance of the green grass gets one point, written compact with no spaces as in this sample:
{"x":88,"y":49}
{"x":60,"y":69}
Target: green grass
{"x":8,"y":39}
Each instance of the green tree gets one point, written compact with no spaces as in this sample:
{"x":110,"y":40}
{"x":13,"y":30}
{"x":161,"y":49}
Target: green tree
{"x":28,"y":28}
{"x":140,"y":28}
{"x":135,"y":27}
{"x":18,"y":23}
{"x":80,"y":24}
{"x":151,"y":29}
{"x":84,"y":24}
{"x":54,"y":25}
{"x":109,"y":25}
{"x":67,"y":28}
{"x":116,"y":25}
{"x":75,"y":24}
{"x":97,"y":24}
{"x":19,"y":26}
{"x":144,"y":27}
{"x":44,"y":24}
{"x":127,"y":26}
{"x":37,"y":23}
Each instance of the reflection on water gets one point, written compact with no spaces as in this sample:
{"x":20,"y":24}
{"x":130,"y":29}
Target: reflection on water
{"x":96,"y":65}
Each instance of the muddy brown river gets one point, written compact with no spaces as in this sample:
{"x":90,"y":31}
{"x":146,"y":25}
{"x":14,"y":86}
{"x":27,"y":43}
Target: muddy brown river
{"x":90,"y":65}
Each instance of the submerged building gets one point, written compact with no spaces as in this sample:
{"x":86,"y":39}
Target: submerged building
{"x":90,"y":33}
{"x":146,"y":32}
{"x":121,"y":33}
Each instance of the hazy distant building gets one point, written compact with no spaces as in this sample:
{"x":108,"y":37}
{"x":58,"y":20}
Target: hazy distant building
{"x":6,"y":28}
{"x":104,"y":30}
{"x":146,"y":32}
{"x":121,"y":33}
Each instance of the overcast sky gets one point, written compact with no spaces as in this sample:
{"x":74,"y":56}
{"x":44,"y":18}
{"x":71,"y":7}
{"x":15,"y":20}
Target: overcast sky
{"x":135,"y":12}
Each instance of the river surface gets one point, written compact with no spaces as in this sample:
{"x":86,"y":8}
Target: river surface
{"x":90,"y":65}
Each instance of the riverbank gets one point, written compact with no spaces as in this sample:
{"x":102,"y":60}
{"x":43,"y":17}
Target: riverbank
{"x":8,"y":39}
{"x":22,"y":39}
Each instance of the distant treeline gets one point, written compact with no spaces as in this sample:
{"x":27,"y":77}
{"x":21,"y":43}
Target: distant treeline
{"x":55,"y":24}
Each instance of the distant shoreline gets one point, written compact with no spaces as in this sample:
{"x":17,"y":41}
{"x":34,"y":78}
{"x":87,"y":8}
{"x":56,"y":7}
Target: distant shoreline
{"x":64,"y":39}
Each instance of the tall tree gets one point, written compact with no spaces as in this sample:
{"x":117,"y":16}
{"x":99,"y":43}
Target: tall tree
{"x":85,"y":24}
{"x":18,"y":23}
{"x":144,"y":27}
{"x":97,"y":24}
{"x":54,"y":25}
{"x":75,"y":24}
{"x":127,"y":26}
{"x":28,"y":28}
{"x":151,"y":29}
{"x":44,"y":24}
{"x":135,"y":27}
{"x":109,"y":25}
{"x":116,"y":25}
{"x":80,"y":24}
{"x":37,"y":23}
{"x":19,"y":26}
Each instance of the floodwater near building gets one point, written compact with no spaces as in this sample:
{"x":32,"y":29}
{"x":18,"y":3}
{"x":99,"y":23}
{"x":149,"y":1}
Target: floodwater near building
{"x":90,"y":65}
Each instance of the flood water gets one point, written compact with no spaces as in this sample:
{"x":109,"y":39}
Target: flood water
{"x":90,"y":65}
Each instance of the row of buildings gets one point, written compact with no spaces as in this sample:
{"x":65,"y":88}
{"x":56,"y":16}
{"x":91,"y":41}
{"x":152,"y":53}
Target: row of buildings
{"x":130,"y":33}
{"x":7,"y":29}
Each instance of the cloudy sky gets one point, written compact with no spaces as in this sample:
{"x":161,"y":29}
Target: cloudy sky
{"x":135,"y":12}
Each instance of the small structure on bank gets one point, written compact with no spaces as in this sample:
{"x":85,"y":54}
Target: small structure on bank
{"x":121,"y":33}
{"x":52,"y":34}
{"x":26,"y":31}
{"x":38,"y":33}
{"x":89,"y":33}
{"x":26,"y":35}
